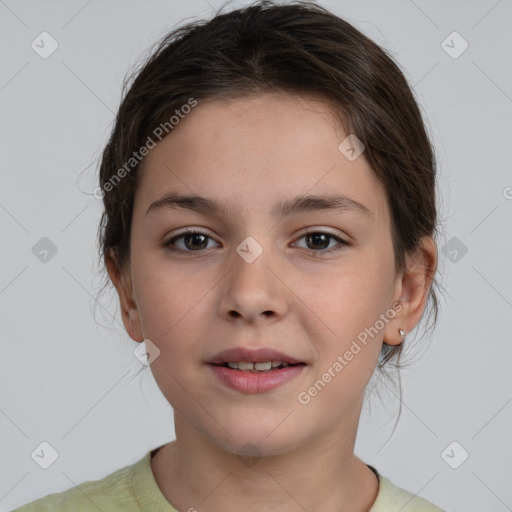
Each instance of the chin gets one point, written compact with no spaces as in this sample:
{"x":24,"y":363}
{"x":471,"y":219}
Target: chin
{"x":253,"y":439}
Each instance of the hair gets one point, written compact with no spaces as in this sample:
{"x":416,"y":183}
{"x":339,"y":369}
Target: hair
{"x":303,"y":49}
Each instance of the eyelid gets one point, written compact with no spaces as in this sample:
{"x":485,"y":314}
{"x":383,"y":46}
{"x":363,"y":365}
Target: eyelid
{"x":322,"y":229}
{"x":340,"y":239}
{"x":343,"y":237}
{"x":190,"y":231}
{"x":309,"y":230}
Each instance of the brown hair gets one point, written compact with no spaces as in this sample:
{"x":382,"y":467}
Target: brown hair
{"x":298,"y":47}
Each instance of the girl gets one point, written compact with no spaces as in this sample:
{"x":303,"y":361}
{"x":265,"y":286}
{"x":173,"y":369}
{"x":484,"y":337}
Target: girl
{"x":269,"y":223}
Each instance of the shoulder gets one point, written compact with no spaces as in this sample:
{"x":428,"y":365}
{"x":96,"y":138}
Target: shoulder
{"x":112,"y":493}
{"x":391,"y":498}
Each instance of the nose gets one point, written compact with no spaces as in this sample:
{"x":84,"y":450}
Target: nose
{"x":254,"y":289}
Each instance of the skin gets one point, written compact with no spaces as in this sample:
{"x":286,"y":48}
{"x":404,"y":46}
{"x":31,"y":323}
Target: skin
{"x":251,"y":153}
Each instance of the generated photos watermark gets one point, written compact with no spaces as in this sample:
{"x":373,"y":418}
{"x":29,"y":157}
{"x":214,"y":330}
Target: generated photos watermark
{"x":159,"y":133}
{"x":304,"y":397}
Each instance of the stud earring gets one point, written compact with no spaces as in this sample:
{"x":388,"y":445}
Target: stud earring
{"x":402,"y":333}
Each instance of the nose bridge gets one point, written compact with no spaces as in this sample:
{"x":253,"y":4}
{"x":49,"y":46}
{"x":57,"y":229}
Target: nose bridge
{"x":253,"y":289}
{"x":251,"y":263}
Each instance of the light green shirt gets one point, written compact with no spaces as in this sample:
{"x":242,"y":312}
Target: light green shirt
{"x":134,"y":489}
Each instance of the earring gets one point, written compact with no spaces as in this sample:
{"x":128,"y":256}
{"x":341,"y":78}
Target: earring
{"x":402,"y":333}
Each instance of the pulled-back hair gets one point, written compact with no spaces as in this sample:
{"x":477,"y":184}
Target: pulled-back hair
{"x":300,"y":48}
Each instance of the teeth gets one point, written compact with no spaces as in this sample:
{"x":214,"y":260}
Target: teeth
{"x":261,"y":366}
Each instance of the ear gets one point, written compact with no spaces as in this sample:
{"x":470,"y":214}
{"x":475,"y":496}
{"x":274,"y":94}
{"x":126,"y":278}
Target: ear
{"x":411,"y":290}
{"x":129,"y":312}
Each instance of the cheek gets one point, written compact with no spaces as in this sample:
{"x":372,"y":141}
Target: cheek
{"x":172,"y":305}
{"x":350,"y":296}
{"x":169,"y":301}
{"x":349,"y":305}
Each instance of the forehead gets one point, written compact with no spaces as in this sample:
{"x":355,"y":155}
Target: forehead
{"x":258,"y":149}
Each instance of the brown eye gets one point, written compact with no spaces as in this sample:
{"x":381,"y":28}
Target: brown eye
{"x":193,"y":241}
{"x":319,"y":241}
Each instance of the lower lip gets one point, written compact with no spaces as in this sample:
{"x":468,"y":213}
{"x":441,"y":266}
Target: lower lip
{"x":249,"y":382}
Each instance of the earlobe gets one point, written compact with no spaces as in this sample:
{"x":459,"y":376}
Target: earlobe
{"x":401,"y":333}
{"x":414,"y":290}
{"x":397,"y":339}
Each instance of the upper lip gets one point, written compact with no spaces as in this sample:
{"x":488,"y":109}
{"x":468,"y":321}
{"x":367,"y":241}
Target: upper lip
{"x":259,"y":355}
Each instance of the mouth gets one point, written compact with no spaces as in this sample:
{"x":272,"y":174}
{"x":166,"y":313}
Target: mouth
{"x":253,"y":371}
{"x":258,"y":367}
{"x":246,"y":359}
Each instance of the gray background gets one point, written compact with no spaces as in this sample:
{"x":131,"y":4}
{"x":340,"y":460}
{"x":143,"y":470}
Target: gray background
{"x":67,"y":369}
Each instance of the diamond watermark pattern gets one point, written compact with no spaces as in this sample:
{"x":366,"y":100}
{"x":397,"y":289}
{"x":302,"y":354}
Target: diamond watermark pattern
{"x":454,"y":45}
{"x":146,"y":352}
{"x":351,"y":147}
{"x":44,"y":455}
{"x":455,"y":249}
{"x":454,"y":455}
{"x":44,"y":250}
{"x":249,"y":455}
{"x":249,"y":249}
{"x":44,"y":45}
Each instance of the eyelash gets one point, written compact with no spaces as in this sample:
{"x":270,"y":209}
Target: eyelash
{"x":169,"y":244}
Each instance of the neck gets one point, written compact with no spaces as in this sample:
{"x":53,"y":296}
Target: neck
{"x":323,"y":474}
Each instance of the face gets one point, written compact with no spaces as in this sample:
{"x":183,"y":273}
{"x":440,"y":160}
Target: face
{"x":306,"y":282}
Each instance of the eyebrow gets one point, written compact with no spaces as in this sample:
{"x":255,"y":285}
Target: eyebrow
{"x":294,"y":206}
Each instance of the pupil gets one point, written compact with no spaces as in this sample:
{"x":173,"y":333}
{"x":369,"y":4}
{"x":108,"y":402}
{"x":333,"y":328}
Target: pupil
{"x":188,"y":237}
{"x":320,"y":235}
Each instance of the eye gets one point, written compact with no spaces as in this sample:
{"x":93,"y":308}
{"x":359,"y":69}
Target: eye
{"x":193,"y":241}
{"x":196,"y":241}
{"x":318,"y":241}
